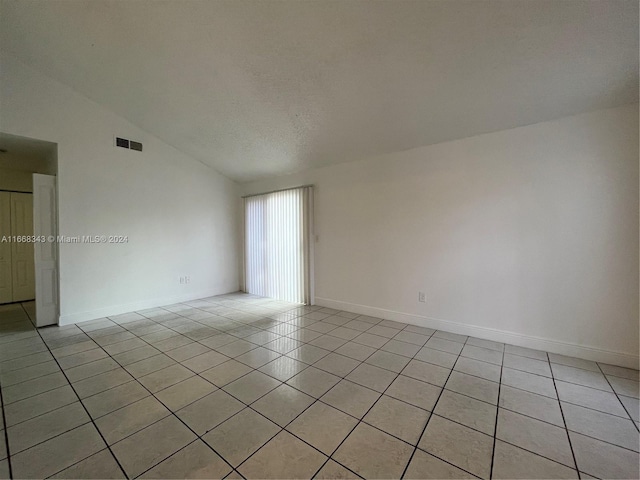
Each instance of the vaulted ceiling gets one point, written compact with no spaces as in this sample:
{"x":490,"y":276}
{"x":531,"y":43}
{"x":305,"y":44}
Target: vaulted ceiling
{"x":261,"y":88}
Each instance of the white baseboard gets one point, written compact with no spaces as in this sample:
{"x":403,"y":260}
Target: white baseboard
{"x":537,"y":343}
{"x":72,"y":318}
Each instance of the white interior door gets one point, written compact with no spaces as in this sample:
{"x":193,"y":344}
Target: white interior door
{"x":22,"y":251}
{"x":46,"y":253}
{"x":6,"y":290}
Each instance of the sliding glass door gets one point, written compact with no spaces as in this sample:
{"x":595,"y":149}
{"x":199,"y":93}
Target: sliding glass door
{"x":277,"y":253}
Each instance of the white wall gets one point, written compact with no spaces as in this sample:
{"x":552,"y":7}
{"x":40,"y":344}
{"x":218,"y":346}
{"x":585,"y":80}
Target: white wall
{"x":16,"y":180}
{"x":528,"y":236}
{"x":180,"y":216}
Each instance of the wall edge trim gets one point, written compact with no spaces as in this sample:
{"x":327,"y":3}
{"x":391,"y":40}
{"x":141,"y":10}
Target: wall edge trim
{"x":496,"y":335}
{"x":73,"y":318}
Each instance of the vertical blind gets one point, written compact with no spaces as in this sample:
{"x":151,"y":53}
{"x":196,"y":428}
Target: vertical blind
{"x":277,"y":244}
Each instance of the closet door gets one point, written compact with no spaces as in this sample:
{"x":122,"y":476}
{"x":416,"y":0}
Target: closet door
{"x":22,"y":252}
{"x":6,"y":290}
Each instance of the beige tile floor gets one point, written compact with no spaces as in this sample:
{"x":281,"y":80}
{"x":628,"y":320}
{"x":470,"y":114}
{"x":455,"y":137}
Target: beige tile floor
{"x":239,"y":386}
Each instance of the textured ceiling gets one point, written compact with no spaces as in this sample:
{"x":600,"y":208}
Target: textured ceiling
{"x":261,"y":88}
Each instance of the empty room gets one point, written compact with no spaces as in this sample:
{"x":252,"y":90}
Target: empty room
{"x":314,"y":239}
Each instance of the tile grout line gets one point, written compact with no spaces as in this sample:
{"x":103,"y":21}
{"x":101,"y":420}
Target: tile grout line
{"x":328,"y":333}
{"x":495,"y":427}
{"x":85,"y":409}
{"x":461,"y":394}
{"x":25,"y":311}
{"x":404,"y":472}
{"x":35,"y":395}
{"x":172,"y":413}
{"x":564,"y":420}
{"x":249,"y":406}
{"x":5,"y":432}
{"x":361,"y":419}
{"x":513,"y":387}
{"x":483,"y":401}
{"x":262,"y":328}
{"x":229,"y":359}
{"x":361,"y":361}
{"x":234,"y":469}
{"x":318,"y":399}
{"x":160,"y":352}
{"x":23,"y":356}
{"x":410,"y":404}
{"x":358,"y":420}
{"x":618,"y":397}
{"x":198,"y":438}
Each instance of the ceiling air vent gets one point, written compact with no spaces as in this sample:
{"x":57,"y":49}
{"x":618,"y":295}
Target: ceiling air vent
{"x":129,"y":144}
{"x":122,"y":142}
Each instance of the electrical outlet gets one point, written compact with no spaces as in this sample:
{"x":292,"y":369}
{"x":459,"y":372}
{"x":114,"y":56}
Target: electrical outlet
{"x":187,"y":279}
{"x":421,"y":297}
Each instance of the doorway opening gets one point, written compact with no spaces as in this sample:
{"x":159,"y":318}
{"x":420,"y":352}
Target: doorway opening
{"x":278,"y":253}
{"x":28,"y":228}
